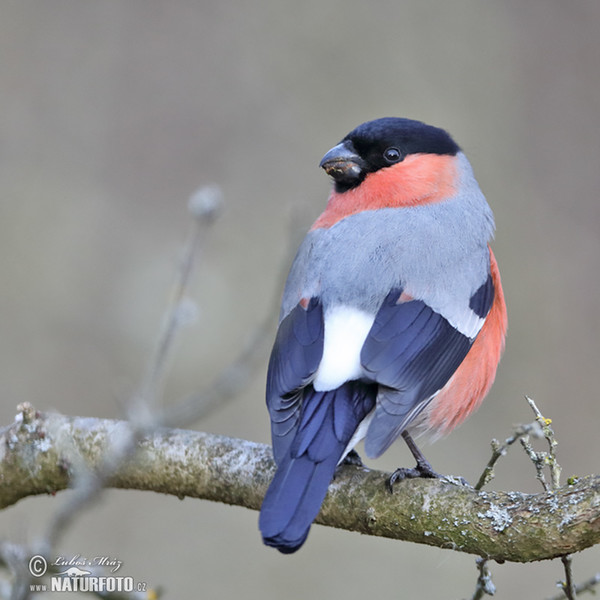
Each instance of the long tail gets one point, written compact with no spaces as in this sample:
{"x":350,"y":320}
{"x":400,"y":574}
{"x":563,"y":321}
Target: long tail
{"x":298,"y":489}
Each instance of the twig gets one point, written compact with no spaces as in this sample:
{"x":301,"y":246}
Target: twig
{"x":586,"y":586}
{"x":485,"y":585}
{"x":539,"y":461}
{"x":204,"y":206}
{"x":543,"y":459}
{"x":499,"y":450}
{"x":549,"y":458}
{"x":568,"y":585}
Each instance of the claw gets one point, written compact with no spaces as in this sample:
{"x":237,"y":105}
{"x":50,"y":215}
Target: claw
{"x":352,"y":458}
{"x":423,"y":468}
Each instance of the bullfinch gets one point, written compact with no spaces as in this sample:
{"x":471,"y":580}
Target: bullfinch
{"x":392,"y":321}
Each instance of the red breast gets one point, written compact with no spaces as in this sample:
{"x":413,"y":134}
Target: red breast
{"x":418,"y":179}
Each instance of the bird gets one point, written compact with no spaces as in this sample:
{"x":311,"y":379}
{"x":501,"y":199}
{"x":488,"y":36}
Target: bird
{"x":392,"y":321}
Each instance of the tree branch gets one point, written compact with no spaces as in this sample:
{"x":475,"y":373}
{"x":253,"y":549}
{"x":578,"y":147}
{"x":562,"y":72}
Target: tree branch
{"x":38,"y":451}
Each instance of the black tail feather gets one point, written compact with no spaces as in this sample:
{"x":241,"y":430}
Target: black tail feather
{"x":298,"y":489}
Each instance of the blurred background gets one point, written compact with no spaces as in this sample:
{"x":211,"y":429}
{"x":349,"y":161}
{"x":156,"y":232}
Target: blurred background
{"x":113,"y":113}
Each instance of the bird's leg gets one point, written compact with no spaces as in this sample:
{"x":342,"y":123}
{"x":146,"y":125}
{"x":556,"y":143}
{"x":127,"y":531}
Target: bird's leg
{"x":423,"y":468}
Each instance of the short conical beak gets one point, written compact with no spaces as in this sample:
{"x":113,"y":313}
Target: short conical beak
{"x":343,"y":163}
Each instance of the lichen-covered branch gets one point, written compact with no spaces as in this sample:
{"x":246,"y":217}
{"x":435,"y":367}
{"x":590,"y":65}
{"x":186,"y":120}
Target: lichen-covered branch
{"x":37,"y":453}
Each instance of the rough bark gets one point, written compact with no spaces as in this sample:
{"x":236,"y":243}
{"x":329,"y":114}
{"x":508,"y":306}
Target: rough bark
{"x":41,"y":453}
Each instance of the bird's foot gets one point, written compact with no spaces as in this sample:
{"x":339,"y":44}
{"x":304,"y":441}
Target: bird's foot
{"x":423,"y":469}
{"x":352,"y":458}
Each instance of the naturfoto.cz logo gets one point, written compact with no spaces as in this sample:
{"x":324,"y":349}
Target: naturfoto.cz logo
{"x":79,"y":574}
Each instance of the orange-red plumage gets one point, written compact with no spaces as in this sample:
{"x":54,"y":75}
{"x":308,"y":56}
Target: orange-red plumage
{"x":473,"y":379}
{"x":419,"y":179}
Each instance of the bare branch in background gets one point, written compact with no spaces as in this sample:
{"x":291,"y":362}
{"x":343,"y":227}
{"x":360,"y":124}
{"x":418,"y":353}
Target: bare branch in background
{"x":204,"y":206}
{"x":232,"y":381}
{"x":141,"y":408}
{"x":86,"y":480}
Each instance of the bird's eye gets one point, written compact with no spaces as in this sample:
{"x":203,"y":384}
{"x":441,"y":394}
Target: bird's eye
{"x":392,"y":155}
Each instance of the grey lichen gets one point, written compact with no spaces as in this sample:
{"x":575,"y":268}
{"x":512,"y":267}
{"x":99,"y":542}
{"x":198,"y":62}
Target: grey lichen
{"x":499,"y":516}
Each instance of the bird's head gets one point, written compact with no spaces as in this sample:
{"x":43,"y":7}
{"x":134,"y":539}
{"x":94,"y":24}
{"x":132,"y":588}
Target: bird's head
{"x":381,"y":144}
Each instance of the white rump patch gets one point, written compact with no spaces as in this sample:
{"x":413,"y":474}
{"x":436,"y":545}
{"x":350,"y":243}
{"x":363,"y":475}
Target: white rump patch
{"x":346,"y":329}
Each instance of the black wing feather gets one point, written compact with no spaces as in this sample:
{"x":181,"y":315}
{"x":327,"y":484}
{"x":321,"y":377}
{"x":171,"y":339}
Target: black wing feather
{"x":411,"y":351}
{"x":294,"y":359}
